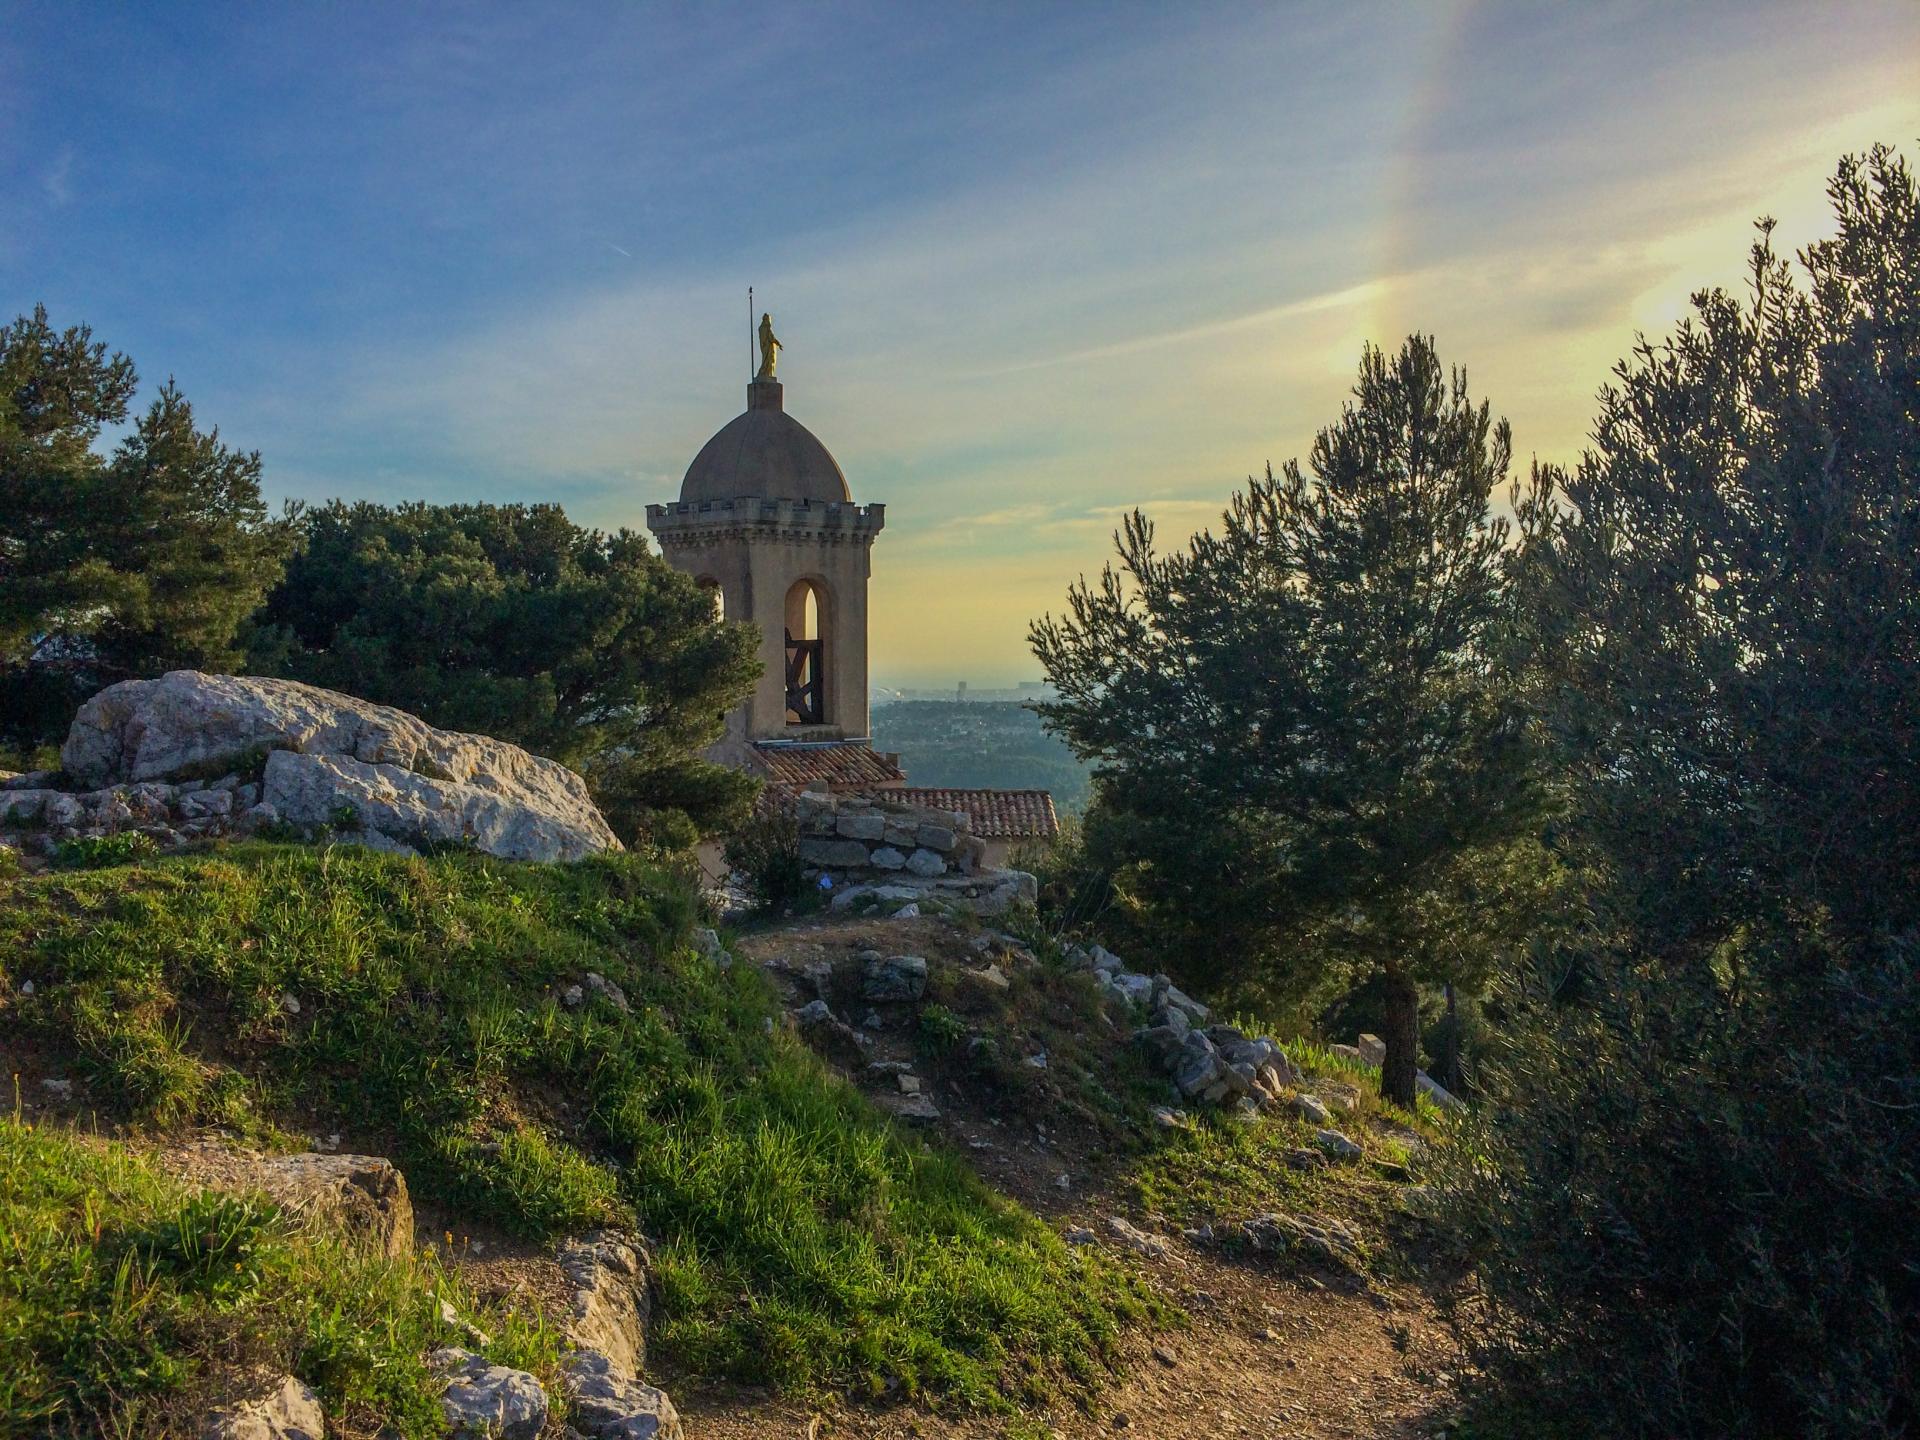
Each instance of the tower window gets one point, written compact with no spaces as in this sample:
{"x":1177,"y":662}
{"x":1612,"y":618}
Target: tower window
{"x":806,"y":691}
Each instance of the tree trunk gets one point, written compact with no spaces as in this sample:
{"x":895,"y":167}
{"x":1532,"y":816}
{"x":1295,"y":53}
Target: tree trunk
{"x":1403,"y":1039}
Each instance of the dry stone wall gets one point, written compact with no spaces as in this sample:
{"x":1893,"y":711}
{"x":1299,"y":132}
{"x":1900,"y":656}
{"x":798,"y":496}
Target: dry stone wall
{"x":869,"y":847}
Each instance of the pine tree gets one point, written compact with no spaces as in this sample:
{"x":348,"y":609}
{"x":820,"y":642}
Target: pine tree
{"x":113,"y":567}
{"x":1310,"y":768}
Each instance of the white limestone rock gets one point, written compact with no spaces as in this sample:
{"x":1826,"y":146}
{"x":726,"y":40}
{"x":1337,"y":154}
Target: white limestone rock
{"x":488,"y":1402}
{"x":361,"y":1195}
{"x":1313,"y":1111}
{"x":21,"y":806}
{"x":1435,"y":1091}
{"x":1197,"y":1066}
{"x":326,"y":754}
{"x":1135,"y":1239}
{"x":926,"y":863}
{"x":896,"y":977}
{"x":1339,"y":1146}
{"x":611,"y":1404}
{"x":609,"y":1308}
{"x":290,"y":1411}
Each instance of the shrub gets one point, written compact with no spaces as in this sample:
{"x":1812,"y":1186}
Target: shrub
{"x":1692,"y":1207}
{"x":1695,"y":1182}
{"x":765,"y":853}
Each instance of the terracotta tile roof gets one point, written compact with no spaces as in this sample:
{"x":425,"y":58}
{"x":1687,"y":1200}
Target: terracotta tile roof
{"x":844,"y":765}
{"x":996,"y":814}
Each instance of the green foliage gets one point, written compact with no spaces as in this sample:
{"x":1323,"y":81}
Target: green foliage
{"x":764,"y":851}
{"x":130,"y":1306}
{"x":1311,"y":766}
{"x":804,"y":1240}
{"x":941,"y":1028}
{"x":211,"y":1243}
{"x":91,"y":852}
{"x":1225,"y":1168}
{"x":110,"y":567}
{"x":511,"y":621}
{"x":1694,"y":1183}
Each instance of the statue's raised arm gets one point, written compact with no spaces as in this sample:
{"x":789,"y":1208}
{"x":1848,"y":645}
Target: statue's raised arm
{"x":770,"y":347}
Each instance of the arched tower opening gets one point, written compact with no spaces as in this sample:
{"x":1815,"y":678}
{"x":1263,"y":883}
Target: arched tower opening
{"x":806,"y":653}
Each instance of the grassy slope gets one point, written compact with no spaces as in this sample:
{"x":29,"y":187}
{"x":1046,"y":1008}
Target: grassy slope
{"x":116,"y":1286}
{"x":805,"y":1241}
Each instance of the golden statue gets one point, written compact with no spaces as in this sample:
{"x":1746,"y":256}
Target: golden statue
{"x":770,"y":347}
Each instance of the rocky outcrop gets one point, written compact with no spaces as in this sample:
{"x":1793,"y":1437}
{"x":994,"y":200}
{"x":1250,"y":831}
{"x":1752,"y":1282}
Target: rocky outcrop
{"x":142,"y":755}
{"x":609,"y":1405}
{"x":1208,"y":1064}
{"x":894,"y":977}
{"x":608,"y":1310}
{"x":607,"y":1318}
{"x":289,"y":1411}
{"x":362,"y":1196}
{"x":1318,"y":1236}
{"x":488,"y":1402}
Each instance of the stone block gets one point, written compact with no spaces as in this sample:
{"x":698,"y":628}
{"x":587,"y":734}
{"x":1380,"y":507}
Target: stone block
{"x":935,"y":837}
{"x":363,"y":1196}
{"x":887,"y":858}
{"x":861,"y":827}
{"x":833,"y":853}
{"x":488,"y":1402}
{"x":897,"y":977}
{"x":1198,"y":1067}
{"x":926,"y":863}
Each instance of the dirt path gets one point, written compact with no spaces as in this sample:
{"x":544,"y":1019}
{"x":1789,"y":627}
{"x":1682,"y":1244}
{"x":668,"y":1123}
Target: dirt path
{"x":1262,"y":1356}
{"x":1265,"y":1351}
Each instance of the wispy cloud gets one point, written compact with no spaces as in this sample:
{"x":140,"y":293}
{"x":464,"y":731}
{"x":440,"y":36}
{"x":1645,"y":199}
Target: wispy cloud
{"x":1031,"y":272}
{"x":1347,"y":298}
{"x":56,"y":183}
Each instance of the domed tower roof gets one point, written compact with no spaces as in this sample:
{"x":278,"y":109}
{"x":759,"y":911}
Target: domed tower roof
{"x":765,"y":452}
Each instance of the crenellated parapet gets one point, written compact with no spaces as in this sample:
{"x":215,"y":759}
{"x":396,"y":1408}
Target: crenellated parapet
{"x":750,"y":520}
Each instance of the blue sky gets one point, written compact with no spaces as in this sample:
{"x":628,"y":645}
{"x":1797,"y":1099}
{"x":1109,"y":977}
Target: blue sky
{"x":1034,"y":264}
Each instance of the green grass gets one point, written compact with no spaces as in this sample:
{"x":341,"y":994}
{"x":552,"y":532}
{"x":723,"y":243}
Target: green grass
{"x":1224,"y":1168}
{"x":126,"y":1303}
{"x":804,"y":1240}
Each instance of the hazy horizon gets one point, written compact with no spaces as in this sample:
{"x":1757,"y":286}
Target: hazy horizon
{"x":1032,"y":267}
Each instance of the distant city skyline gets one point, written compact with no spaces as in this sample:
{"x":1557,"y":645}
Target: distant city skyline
{"x":1033,"y":266}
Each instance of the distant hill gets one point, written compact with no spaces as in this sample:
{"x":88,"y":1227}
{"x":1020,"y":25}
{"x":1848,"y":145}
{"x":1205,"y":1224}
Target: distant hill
{"x":990,"y":744}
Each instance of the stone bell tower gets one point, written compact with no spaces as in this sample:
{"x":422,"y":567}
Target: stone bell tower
{"x":765,"y":520}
